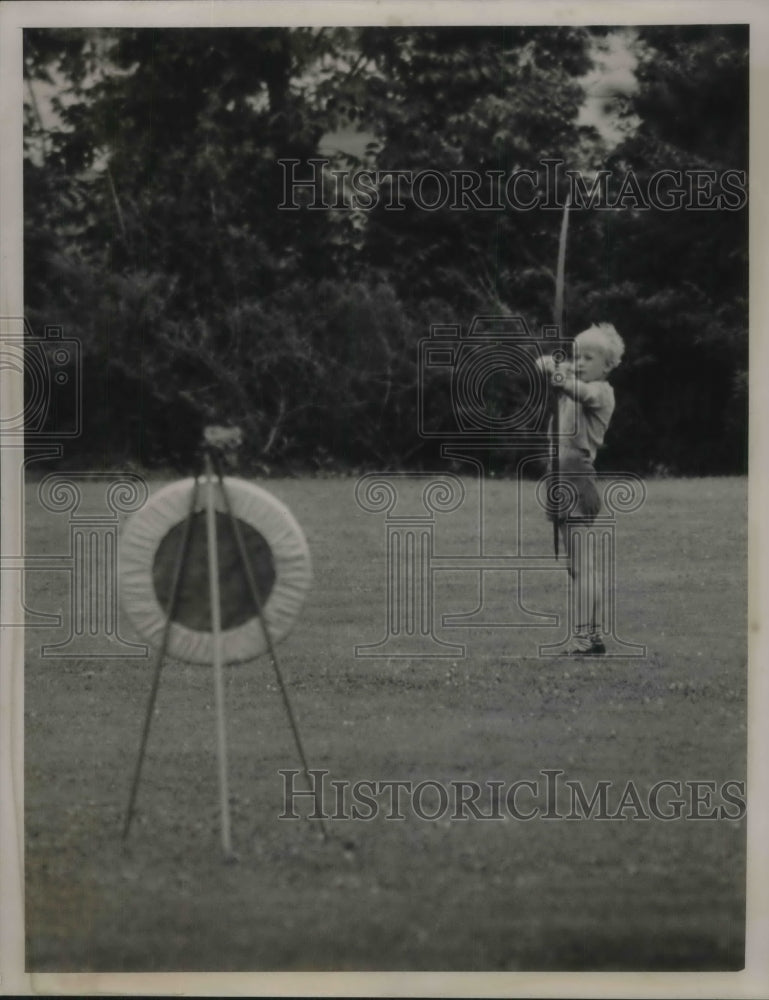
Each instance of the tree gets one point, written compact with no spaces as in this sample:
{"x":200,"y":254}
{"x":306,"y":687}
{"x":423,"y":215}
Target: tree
{"x":676,"y":282}
{"x":480,"y":99}
{"x":152,"y":181}
{"x":151,"y":209}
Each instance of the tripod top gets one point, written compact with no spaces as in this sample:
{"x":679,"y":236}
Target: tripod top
{"x":222,"y":439}
{"x":221,"y":444}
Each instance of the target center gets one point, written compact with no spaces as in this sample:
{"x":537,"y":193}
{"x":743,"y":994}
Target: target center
{"x":193,"y":608}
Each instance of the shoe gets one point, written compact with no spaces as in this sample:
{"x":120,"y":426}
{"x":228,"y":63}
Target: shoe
{"x":586,"y":645}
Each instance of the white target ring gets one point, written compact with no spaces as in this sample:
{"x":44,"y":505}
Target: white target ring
{"x":278,"y":555}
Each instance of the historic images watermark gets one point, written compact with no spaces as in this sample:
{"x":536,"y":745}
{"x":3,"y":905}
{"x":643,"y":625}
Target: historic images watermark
{"x":547,"y":796}
{"x":313,"y":186}
{"x":456,"y":368}
{"x":49,"y":414}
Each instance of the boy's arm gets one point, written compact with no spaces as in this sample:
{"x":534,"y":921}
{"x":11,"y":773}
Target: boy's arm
{"x":586,"y":393}
{"x":562,"y":377}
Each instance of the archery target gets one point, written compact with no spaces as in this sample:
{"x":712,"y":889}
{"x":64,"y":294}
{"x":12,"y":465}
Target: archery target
{"x":277,"y":553}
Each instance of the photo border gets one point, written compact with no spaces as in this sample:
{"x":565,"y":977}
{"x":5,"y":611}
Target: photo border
{"x":754,"y":981}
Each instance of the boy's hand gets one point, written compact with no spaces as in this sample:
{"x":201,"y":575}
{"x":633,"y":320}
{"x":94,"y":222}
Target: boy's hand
{"x":546,"y":364}
{"x":561,"y":373}
{"x":558,"y":375}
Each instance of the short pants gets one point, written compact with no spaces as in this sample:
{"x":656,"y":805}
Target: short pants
{"x":578,"y":498}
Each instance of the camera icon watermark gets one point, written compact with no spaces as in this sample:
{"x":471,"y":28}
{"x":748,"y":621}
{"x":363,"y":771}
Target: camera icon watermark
{"x":42,"y":408}
{"x":486,"y":384}
{"x":51,"y":408}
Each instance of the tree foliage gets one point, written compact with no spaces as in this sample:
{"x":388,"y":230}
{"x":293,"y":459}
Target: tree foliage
{"x":482,"y":99}
{"x":677,"y":282}
{"x":152,"y":181}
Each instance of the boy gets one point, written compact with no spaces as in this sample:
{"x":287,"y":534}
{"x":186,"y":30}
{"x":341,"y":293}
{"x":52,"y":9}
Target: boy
{"x":585,"y":407}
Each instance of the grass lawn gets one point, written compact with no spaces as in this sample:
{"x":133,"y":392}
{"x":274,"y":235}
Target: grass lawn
{"x":453,"y":894}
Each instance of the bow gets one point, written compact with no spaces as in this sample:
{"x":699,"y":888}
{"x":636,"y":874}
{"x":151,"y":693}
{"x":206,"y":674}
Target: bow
{"x":558,"y":320}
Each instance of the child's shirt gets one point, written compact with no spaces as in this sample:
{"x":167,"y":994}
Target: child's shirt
{"x":583,"y":422}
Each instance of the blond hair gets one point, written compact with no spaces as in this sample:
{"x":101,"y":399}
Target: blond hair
{"x":612,"y":344}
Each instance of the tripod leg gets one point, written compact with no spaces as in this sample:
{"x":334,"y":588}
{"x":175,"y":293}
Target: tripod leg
{"x":181,"y":559}
{"x":257,"y":602}
{"x":216,"y":628}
